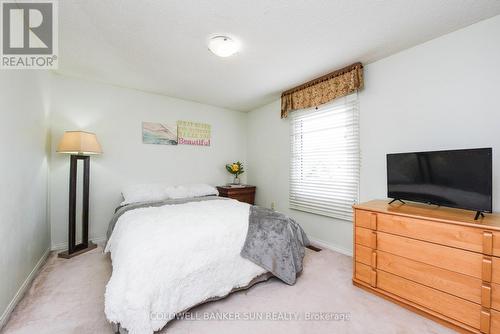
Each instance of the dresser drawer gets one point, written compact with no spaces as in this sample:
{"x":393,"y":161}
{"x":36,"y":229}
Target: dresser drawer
{"x":495,"y":270}
{"x":366,"y":255}
{"x":467,"y":238}
{"x":457,"y":284}
{"x":496,"y":243}
{"x":365,"y":274}
{"x":366,"y":237}
{"x":456,"y":308}
{"x":366,"y":219}
{"x":495,"y":322}
{"x":495,"y":285}
{"x":495,"y":296}
{"x":449,"y":258}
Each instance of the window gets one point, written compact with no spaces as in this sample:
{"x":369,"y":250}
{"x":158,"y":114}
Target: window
{"x":325,"y":158}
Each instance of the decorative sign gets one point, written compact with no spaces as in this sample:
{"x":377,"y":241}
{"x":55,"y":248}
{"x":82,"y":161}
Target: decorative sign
{"x":192,"y":133}
{"x":159,"y":133}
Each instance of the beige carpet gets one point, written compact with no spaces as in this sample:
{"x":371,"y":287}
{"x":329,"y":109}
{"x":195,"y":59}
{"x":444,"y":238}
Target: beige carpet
{"x":67,"y":298}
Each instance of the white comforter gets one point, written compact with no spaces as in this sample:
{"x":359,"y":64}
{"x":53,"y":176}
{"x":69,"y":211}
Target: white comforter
{"x":170,"y":258}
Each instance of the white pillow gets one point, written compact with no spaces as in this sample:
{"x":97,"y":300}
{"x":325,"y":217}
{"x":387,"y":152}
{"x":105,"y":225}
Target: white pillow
{"x":161,"y":191}
{"x":191,"y":190}
{"x":144,"y":193}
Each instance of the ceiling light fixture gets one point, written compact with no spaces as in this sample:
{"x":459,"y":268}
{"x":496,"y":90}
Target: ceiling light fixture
{"x":223,"y":46}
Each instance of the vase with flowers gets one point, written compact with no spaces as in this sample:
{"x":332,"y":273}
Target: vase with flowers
{"x":236,"y":169}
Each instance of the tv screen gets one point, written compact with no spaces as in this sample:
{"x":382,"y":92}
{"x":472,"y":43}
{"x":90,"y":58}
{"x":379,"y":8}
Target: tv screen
{"x":456,"y":178}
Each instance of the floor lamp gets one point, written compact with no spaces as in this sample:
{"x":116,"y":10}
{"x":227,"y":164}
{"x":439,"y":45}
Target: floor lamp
{"x":80,"y":145}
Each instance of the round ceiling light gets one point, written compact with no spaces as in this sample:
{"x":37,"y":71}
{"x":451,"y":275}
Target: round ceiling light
{"x":223,"y":46}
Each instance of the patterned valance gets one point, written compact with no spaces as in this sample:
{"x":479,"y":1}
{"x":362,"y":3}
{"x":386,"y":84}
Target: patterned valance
{"x":322,"y":90}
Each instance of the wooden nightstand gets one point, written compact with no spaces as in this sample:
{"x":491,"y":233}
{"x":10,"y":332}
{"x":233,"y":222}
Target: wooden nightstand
{"x":245,"y":194}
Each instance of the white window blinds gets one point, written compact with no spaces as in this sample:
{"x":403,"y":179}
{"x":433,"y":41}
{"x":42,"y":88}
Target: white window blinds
{"x":325,"y":158}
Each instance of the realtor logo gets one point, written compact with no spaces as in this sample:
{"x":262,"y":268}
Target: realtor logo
{"x":29,"y":34}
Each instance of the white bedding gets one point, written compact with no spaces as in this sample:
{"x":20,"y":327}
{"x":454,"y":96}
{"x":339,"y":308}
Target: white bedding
{"x":170,"y":258}
{"x":160,"y":191}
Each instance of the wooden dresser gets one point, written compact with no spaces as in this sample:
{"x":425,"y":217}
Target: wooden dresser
{"x":243,"y":194}
{"x":436,"y":261}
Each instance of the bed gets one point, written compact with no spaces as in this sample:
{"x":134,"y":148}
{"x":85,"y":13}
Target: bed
{"x":174,"y":253}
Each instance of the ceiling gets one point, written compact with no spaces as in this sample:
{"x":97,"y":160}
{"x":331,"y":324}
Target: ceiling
{"x":160,"y":46}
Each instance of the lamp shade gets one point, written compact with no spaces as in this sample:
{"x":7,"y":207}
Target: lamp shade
{"x":79,"y":142}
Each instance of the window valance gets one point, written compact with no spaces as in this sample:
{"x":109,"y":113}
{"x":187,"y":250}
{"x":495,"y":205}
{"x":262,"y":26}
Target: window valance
{"x":323,"y":89}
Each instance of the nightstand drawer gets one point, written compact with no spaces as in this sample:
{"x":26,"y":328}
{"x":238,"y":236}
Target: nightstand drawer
{"x":243,"y":194}
{"x":247,"y":198}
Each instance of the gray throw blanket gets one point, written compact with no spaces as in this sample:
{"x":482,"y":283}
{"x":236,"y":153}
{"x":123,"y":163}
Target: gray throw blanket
{"x":274,"y":241}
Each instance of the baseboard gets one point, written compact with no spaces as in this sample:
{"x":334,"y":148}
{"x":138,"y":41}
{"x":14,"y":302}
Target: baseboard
{"x":323,"y":244}
{"x":64,"y":245}
{"x":24,"y":287}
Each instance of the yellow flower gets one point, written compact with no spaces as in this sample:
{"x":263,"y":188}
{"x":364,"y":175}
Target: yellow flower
{"x":235,"y":167}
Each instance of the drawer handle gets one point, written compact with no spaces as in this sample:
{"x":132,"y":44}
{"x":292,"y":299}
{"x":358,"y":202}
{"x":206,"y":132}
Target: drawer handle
{"x":486,"y":272}
{"x":373,"y":278}
{"x":373,"y":221}
{"x":486,"y":295}
{"x":485,"y":321}
{"x":374,"y":240}
{"x":374,"y":259}
{"x":488,"y":243}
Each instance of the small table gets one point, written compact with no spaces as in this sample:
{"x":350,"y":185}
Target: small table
{"x":243,"y":194}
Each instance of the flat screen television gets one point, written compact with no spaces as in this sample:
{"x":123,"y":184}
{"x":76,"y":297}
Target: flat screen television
{"x":455,"y":178}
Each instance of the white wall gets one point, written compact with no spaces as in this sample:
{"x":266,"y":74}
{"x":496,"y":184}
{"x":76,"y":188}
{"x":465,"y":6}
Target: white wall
{"x":442,"y":94}
{"x":115,"y":115}
{"x":24,"y":229}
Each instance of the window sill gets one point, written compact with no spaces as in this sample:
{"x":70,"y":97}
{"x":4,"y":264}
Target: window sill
{"x":324,"y":214}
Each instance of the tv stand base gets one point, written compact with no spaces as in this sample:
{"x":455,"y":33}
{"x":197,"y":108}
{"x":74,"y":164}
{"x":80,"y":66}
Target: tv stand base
{"x":397,"y":199}
{"x":478,"y":214}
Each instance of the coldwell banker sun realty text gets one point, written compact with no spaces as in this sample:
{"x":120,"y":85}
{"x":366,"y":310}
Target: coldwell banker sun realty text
{"x":29,"y":34}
